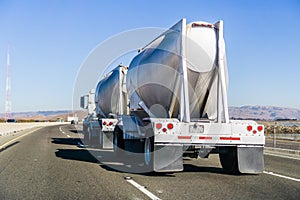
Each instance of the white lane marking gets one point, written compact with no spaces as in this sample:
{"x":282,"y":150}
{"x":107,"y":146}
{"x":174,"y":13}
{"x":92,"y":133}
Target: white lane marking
{"x":11,"y":141}
{"x":282,"y":176}
{"x":81,"y":145}
{"x":68,"y":136}
{"x":61,"y":130}
{"x":282,"y":156}
{"x":112,"y":163}
{"x":142,"y":189}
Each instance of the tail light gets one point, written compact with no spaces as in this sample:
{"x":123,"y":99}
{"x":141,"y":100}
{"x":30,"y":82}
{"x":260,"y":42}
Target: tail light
{"x":202,"y":25}
{"x":260,"y":128}
{"x":110,"y":123}
{"x":170,"y":126}
{"x":158,"y":125}
{"x":164,"y":130}
{"x":104,"y":123}
{"x":249,"y":128}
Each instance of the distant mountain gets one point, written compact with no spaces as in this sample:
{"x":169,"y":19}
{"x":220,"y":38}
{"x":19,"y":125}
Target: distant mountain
{"x":243,"y":112}
{"x":47,"y":115}
{"x":264,"y":112}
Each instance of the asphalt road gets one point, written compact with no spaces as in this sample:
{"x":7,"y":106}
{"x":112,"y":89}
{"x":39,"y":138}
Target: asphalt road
{"x":49,"y":164}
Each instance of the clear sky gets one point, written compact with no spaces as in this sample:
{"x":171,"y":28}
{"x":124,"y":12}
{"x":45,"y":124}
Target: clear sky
{"x":49,"y":41}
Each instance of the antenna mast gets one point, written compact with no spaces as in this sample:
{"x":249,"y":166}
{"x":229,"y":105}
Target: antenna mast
{"x":8,"y":88}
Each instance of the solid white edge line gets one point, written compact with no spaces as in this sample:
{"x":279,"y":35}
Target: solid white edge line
{"x":282,"y":156}
{"x":68,"y":136}
{"x":143,"y":189}
{"x":282,"y":176}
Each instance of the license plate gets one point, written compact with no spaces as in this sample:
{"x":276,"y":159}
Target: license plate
{"x":196,"y":128}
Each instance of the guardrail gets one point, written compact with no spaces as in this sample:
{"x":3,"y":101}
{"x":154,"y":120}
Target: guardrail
{"x":286,"y":136}
{"x":281,"y":151}
{"x":9,"y":128}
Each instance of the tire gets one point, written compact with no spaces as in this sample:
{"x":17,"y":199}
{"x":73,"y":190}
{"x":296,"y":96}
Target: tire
{"x":85,"y":133}
{"x":148,"y":153}
{"x":229,"y":160}
{"x":118,"y":142}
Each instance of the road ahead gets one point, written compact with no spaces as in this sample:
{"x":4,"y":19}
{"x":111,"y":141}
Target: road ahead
{"x":49,"y":164}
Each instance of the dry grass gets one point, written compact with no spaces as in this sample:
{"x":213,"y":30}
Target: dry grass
{"x":281,"y":127}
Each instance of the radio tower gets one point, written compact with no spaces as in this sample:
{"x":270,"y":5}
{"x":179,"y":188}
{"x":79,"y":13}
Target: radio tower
{"x":8,"y":87}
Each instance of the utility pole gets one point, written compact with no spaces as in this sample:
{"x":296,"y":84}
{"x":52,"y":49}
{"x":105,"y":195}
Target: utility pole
{"x":274,"y":136}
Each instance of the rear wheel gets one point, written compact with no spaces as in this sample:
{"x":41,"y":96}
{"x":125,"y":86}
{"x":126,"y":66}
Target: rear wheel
{"x":87,"y":136}
{"x":85,"y":133}
{"x":118,"y":142}
{"x":228,"y":159}
{"x":148,"y":153}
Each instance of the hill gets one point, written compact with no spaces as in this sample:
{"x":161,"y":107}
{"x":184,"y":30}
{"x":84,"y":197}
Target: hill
{"x":264,"y":113}
{"x":243,"y":112}
{"x":47,"y":115}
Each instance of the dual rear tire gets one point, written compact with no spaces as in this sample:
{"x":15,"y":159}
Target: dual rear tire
{"x":118,"y":142}
{"x":229,"y":160}
{"x":148,"y":153}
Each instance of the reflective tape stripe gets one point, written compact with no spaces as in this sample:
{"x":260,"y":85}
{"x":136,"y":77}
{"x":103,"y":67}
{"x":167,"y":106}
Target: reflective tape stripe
{"x":205,"y":138}
{"x":184,"y":137}
{"x":230,"y":138}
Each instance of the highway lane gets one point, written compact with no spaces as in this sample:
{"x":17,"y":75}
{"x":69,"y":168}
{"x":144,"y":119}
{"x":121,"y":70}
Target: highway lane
{"x":49,"y":164}
{"x":31,"y":169}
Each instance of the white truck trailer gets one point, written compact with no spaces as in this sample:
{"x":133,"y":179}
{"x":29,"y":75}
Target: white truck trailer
{"x":104,"y":104}
{"x":176,"y":92}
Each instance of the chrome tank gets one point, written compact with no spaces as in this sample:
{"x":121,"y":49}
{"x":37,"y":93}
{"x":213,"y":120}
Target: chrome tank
{"x":154,"y":74}
{"x":107,"y":94}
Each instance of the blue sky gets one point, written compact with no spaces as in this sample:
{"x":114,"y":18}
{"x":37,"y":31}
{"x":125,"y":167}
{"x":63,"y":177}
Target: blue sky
{"x":50,"y":40}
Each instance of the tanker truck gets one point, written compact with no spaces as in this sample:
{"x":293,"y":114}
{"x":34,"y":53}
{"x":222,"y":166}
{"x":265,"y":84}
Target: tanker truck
{"x":172,"y":103}
{"x":104,"y":104}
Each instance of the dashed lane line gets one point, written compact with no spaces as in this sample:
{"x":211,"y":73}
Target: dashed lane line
{"x":141,"y":188}
{"x":61,"y":130}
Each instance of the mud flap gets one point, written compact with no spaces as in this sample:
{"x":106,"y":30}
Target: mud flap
{"x":250,"y":159}
{"x":106,"y":140}
{"x":167,"y":158}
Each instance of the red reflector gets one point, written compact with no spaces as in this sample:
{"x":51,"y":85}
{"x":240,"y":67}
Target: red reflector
{"x":205,"y":138}
{"x":164,"y":130}
{"x":260,"y":128}
{"x":110,"y":123}
{"x":158,"y":125}
{"x":249,"y":128}
{"x":184,"y":137}
{"x":170,"y":126}
{"x":230,"y":138}
{"x":104,"y":123}
{"x":254,"y":131}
